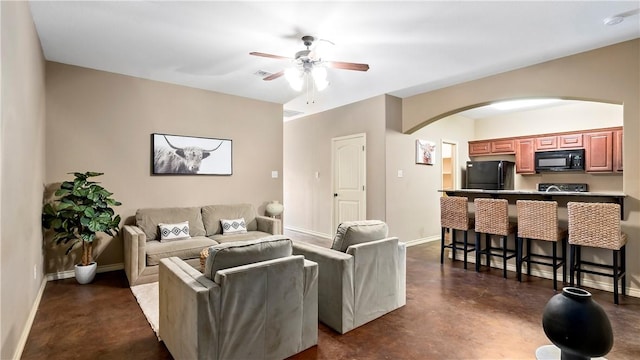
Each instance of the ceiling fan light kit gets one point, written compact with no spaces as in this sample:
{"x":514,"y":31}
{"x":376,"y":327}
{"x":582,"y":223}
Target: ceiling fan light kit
{"x":309,"y":69}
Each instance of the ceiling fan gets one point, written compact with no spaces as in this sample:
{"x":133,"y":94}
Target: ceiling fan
{"x":306,"y":60}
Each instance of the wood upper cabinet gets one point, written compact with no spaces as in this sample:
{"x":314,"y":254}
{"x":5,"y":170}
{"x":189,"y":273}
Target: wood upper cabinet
{"x":598,"y":149}
{"x":570,"y":141}
{"x":492,"y":147}
{"x":506,"y":146}
{"x":525,"y":149}
{"x":617,"y":150}
{"x":546,"y":143}
{"x":479,"y":148}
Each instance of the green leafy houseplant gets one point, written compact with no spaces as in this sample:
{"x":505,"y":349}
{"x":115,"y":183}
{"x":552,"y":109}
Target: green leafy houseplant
{"x":82,"y":210}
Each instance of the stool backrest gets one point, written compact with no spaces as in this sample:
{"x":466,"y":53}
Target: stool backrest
{"x":492,"y":216}
{"x":595,"y":225}
{"x":453,"y":212}
{"x":538,"y":219}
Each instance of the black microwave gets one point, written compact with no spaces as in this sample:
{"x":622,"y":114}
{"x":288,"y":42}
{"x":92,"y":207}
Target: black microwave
{"x":560,"y":160}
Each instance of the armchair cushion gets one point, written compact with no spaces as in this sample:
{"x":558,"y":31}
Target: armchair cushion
{"x":148,"y":220}
{"x":232,"y":254}
{"x":357,"y":232}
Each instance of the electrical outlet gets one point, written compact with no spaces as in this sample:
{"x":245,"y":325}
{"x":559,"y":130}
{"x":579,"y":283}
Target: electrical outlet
{"x":274,"y":174}
{"x":35,"y":272}
{"x":400,"y":173}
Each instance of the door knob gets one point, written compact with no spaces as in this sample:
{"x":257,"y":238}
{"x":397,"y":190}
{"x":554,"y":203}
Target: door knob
{"x":335,"y":194}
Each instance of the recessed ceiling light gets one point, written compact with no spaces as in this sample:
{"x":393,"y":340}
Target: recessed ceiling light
{"x":520,"y":104}
{"x":613,"y":20}
{"x":617,"y":19}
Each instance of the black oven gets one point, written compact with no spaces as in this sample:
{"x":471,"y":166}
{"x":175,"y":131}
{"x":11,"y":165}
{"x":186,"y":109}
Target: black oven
{"x":560,"y":160}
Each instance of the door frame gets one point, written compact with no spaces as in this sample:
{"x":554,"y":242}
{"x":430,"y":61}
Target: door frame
{"x":454,"y":163}
{"x":333,"y":175}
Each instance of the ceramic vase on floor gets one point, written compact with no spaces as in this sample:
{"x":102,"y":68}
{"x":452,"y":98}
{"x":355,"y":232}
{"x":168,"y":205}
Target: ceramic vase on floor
{"x":577,"y":325}
{"x":274,"y":208}
{"x":85,"y":274}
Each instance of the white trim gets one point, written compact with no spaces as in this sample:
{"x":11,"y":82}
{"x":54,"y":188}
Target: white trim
{"x":547,"y":274}
{"x":32,"y":316}
{"x":309,"y":232}
{"x":415,"y":242}
{"x":70,"y":273}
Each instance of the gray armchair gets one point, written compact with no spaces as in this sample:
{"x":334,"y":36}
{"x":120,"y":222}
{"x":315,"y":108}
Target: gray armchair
{"x":254,"y":301}
{"x":362,"y":277}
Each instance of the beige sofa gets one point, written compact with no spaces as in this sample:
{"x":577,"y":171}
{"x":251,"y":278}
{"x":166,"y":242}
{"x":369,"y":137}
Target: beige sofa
{"x":255,"y":300}
{"x":362,"y":276}
{"x":143,"y":247}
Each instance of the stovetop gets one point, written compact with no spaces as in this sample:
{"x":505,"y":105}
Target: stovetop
{"x":550,"y":187}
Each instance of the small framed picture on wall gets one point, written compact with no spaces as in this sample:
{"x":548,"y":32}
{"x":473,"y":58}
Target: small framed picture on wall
{"x":425,"y":152}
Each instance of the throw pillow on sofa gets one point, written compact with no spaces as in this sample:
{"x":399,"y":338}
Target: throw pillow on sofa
{"x":173,"y":232}
{"x":233,"y":226}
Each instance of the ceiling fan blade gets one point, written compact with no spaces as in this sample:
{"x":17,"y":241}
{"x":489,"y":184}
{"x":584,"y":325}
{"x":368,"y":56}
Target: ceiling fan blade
{"x":347,"y":65}
{"x":274,"y":76}
{"x":254,"y":53}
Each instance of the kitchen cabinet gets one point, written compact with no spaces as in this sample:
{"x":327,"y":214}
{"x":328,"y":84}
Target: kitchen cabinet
{"x":505,"y":146}
{"x":525,"y":149}
{"x":598,"y":149}
{"x":492,"y":147}
{"x":570,"y":141}
{"x":546,"y":143}
{"x":479,"y":148}
{"x":617,"y":150}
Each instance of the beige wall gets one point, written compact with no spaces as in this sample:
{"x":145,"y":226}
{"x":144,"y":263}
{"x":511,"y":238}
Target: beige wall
{"x":609,"y":74}
{"x":101,"y":121}
{"x":413,"y":199}
{"x":22,"y":174}
{"x":307,"y":150}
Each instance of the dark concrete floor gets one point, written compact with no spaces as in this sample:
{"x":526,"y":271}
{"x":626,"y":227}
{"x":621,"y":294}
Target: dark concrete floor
{"x":450,"y":314}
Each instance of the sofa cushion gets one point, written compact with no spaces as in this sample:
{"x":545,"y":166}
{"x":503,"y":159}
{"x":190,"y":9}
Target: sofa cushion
{"x":232,"y":254}
{"x":148,"y":220}
{"x":356,"y":232}
{"x":233,"y":226}
{"x":249,"y":235}
{"x":184,"y":249}
{"x":173,"y":232}
{"x":212,"y":214}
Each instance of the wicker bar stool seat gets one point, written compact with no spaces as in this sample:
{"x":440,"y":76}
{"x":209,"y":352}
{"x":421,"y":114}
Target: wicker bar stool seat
{"x":597,"y":225}
{"x":454,"y":216}
{"x":538,"y":220}
{"x":492,"y":218}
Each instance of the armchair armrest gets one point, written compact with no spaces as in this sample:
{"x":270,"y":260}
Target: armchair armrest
{"x":335,"y":284}
{"x":186,"y":325}
{"x":380,"y":279}
{"x":134,"y":252}
{"x":269,"y":225}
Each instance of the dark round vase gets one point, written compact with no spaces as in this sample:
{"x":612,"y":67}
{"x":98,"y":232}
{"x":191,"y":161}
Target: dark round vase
{"x":577,"y":325}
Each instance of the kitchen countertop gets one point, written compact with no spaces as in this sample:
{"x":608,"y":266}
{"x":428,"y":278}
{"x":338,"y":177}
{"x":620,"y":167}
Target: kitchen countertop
{"x":617,"y":197}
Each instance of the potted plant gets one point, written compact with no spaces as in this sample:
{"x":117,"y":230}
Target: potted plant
{"x":82,"y":209}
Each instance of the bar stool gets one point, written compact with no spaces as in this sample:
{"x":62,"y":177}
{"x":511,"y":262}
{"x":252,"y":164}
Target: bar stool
{"x":538,"y":220}
{"x":454,"y":216}
{"x":597,"y":225}
{"x":492,"y":218}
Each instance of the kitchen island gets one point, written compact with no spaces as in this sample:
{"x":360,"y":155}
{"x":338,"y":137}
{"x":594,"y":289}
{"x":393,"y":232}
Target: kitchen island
{"x":561,"y":196}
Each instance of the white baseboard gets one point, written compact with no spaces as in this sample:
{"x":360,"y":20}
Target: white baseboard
{"x":32,"y":316}
{"x":70,"y":273}
{"x":422,"y":241}
{"x":548,"y":274}
{"x":309,"y":232}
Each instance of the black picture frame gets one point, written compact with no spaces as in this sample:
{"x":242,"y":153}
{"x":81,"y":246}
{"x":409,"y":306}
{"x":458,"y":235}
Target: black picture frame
{"x":190,"y":155}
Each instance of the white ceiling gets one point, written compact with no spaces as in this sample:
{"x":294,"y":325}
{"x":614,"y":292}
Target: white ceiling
{"x":411,"y":47}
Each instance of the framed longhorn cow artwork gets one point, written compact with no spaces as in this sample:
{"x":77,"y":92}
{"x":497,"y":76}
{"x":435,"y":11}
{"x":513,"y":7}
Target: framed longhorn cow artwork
{"x":190,"y":155}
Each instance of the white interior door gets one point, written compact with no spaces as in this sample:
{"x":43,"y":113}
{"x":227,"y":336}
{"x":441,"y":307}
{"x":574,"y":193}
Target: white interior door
{"x":349,"y":178}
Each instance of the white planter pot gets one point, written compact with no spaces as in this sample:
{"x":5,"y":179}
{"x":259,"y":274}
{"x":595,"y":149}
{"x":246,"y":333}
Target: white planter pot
{"x":85,"y":274}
